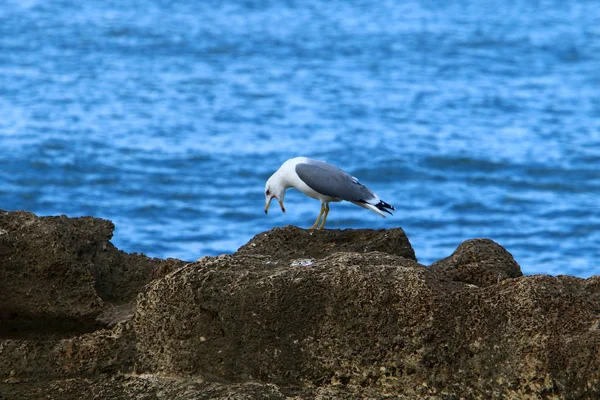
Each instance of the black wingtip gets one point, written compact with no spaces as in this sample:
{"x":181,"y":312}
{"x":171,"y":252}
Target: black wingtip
{"x":385,"y":207}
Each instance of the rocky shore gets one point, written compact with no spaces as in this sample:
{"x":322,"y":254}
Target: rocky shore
{"x":293,"y":314}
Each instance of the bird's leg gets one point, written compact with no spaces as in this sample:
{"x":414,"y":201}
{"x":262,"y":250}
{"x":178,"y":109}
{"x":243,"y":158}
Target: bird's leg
{"x":324,"y":216}
{"x":316,"y":224}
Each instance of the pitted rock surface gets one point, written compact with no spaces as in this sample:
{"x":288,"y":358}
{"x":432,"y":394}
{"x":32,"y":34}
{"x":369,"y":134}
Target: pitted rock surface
{"x":294,"y":314}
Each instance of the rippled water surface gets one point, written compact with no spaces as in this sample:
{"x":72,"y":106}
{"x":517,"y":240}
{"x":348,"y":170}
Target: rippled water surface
{"x":473,"y":118}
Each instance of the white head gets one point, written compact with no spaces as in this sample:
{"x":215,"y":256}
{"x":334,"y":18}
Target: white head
{"x":275,"y":189}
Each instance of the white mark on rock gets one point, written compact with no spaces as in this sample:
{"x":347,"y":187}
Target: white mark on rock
{"x":302,"y":262}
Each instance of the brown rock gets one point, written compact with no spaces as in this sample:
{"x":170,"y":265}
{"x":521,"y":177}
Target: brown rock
{"x":531,"y":337}
{"x":137,"y":387}
{"x":246,"y":319}
{"x":59,"y":274}
{"x":480,"y":262}
{"x":376,"y":321}
{"x":102,"y":351}
{"x":290,"y":242}
{"x":46,"y":281}
{"x":293,"y":314}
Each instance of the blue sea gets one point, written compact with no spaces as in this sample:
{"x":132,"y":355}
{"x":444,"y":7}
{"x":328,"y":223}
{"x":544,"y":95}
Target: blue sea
{"x":474,"y":118}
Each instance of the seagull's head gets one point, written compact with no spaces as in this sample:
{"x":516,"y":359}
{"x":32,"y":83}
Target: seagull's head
{"x":274,"y":189}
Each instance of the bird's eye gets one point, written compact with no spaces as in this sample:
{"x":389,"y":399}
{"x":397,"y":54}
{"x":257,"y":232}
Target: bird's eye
{"x":268,"y":192}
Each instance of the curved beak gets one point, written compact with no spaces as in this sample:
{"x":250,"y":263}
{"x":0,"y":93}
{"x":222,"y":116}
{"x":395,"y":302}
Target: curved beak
{"x":269,"y":203}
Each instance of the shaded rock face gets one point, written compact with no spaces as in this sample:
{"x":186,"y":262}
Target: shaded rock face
{"x":293,"y":314}
{"x":480,"y":262}
{"x":62,"y":275}
{"x":47,"y":356}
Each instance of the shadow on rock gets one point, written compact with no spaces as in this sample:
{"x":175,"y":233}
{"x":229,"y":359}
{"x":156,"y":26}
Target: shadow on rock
{"x":61,"y":276}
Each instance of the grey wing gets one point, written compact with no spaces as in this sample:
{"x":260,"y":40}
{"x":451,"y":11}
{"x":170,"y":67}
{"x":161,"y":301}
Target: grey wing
{"x":331,"y":181}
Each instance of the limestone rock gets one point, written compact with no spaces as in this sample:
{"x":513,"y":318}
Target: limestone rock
{"x":290,"y":242}
{"x":293,"y":314}
{"x":59,"y":275}
{"x":45,"y":272}
{"x":102,"y":351}
{"x":531,"y":337}
{"x":480,"y":262}
{"x":139,"y":387}
{"x":245,"y":319}
{"x":375,"y":321}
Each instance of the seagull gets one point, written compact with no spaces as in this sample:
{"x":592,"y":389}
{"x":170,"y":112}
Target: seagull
{"x":321,"y":181}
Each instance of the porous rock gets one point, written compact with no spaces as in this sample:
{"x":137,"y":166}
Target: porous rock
{"x":290,"y":242}
{"x":373,"y":320}
{"x":293,"y":315}
{"x":62,"y":275}
{"x":88,"y":354}
{"x":247,"y":319}
{"x":480,"y":262}
{"x":531,"y":337}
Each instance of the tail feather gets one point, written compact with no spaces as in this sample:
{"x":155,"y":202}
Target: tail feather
{"x":376,"y":208}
